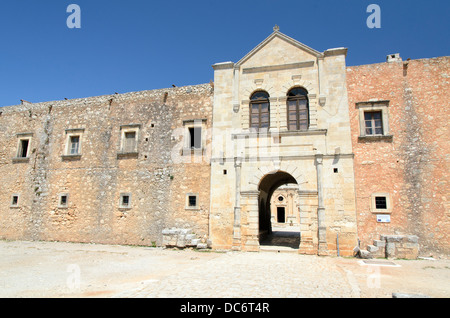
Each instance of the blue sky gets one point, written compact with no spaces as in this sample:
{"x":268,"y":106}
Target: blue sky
{"x":125,"y":46}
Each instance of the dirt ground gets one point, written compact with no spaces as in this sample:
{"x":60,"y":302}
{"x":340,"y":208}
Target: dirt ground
{"x":57,"y":270}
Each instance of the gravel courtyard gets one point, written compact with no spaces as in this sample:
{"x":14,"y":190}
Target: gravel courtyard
{"x":60,"y":270}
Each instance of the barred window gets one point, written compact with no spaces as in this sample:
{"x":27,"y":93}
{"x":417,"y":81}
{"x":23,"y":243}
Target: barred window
{"x":380,"y":203}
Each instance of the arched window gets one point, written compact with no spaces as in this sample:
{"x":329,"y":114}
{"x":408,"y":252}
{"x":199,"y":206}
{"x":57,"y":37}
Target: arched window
{"x":298,"y":109}
{"x":259,"y":110}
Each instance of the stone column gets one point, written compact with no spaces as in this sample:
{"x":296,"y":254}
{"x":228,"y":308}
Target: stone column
{"x":251,"y":237}
{"x":237,"y":206}
{"x":307,"y":245}
{"x":323,"y":249}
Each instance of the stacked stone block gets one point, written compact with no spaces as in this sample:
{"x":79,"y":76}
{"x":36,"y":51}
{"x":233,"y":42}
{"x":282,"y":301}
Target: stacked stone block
{"x":183,"y":238}
{"x":392,"y":246}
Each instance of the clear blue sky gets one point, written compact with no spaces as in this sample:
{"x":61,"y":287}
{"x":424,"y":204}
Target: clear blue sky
{"x":124,"y":46}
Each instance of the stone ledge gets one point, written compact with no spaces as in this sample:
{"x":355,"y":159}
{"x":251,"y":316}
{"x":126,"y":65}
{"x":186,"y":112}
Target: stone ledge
{"x":71,"y":157}
{"x":375,"y":138}
{"x":124,"y":155}
{"x":20,"y":159}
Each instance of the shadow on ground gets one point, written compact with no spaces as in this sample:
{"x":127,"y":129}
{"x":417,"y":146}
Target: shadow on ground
{"x":282,"y":238}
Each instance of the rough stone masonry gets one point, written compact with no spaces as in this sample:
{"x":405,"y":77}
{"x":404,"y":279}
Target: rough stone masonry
{"x":365,"y":148}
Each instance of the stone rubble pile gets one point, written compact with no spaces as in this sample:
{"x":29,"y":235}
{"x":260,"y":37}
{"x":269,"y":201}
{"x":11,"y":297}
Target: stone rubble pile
{"x":184,"y":238}
{"x":391,"y":246}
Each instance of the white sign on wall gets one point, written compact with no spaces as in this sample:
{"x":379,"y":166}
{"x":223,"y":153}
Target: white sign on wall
{"x":383,"y":218}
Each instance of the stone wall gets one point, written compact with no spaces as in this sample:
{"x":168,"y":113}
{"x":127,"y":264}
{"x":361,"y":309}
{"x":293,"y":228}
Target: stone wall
{"x":392,"y":246}
{"x":410,"y":163}
{"x":156,"y":176}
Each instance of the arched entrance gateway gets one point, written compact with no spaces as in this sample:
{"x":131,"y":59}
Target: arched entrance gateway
{"x":253,"y":229}
{"x":276,"y":236}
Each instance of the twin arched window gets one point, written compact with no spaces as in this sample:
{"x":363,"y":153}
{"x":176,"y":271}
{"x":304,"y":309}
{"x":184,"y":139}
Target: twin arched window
{"x":297,"y":110}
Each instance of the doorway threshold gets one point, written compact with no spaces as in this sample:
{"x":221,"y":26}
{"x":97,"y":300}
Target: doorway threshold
{"x":277,"y":249}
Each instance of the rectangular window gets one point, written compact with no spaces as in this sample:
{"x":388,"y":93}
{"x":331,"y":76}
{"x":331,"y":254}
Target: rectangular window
{"x":125,"y":201}
{"x":194,"y":138}
{"x":192,"y":201}
{"x":15,"y":200}
{"x":63,"y":200}
{"x":380,"y":203}
{"x":260,"y":115}
{"x":297,"y":114}
{"x":373,"y":123}
{"x":129,"y":137}
{"x":74,"y":147}
{"x":195,"y":135}
{"x":23,"y":148}
{"x":130,"y":141}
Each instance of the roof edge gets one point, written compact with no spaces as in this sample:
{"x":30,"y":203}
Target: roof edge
{"x":277,"y":33}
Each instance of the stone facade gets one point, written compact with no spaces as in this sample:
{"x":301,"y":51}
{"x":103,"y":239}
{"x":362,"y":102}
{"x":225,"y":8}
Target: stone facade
{"x":156,"y":175}
{"x":409,"y":162}
{"x":261,"y":160}
{"x":285,"y":206}
{"x":365,"y":154}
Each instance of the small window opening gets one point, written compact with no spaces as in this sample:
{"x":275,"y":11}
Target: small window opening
{"x":130,"y":141}
{"x":380,"y":203}
{"x":335,"y":170}
{"x":74,"y":145}
{"x":23,"y":150}
{"x":280,"y":198}
{"x":15,"y":200}
{"x":63,"y":200}
{"x":192,"y":201}
{"x":195,"y":134}
{"x":125,"y":200}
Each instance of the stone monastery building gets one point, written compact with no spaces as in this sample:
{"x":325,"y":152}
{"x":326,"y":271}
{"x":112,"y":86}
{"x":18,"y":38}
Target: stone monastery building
{"x":359,"y":156}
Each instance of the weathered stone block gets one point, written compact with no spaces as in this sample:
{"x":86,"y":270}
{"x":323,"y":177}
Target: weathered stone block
{"x":365,"y":254}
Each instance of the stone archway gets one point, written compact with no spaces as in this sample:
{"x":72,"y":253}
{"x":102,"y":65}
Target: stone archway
{"x":267,"y":186}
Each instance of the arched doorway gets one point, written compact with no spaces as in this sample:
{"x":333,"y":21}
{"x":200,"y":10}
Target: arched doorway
{"x":268,"y":235}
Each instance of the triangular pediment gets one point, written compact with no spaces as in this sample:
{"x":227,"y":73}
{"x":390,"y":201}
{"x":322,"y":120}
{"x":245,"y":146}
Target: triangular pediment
{"x":283,"y":43}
